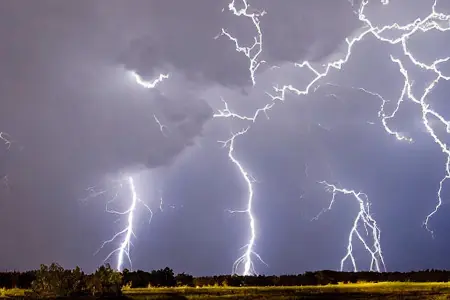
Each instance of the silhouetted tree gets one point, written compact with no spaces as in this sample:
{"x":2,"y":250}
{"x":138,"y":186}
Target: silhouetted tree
{"x":105,"y":282}
{"x":163,"y":277}
{"x":54,"y":281}
{"x":184,"y":279}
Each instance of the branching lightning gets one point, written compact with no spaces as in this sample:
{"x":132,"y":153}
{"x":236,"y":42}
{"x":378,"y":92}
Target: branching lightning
{"x":123,"y":251}
{"x":126,"y":234}
{"x":427,"y":114}
{"x":370,"y":225}
{"x":245,"y":260}
{"x":252,"y":52}
{"x":433,"y":21}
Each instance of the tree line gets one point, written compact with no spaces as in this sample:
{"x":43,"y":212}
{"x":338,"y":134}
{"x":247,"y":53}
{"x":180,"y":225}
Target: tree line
{"x":54,"y":280}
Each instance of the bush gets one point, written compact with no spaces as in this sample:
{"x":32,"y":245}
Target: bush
{"x":54,"y":281}
{"x":105,"y":282}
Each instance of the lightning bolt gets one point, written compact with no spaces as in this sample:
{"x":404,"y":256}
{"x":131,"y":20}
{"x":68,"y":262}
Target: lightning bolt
{"x":251,"y":52}
{"x":123,"y":251}
{"x":245,"y":260}
{"x":427,"y":114}
{"x":370,"y":225}
{"x":4,"y":137}
{"x":163,"y":128}
{"x":149,"y":84}
{"x":402,"y":33}
{"x":126,"y":234}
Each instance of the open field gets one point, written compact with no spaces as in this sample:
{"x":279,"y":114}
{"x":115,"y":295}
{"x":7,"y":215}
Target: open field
{"x":382,"y":290}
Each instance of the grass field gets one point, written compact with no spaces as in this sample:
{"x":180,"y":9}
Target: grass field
{"x":382,"y":290}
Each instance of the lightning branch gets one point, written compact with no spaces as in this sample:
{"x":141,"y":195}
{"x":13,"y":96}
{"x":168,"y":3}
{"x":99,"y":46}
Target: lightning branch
{"x":436,"y":21}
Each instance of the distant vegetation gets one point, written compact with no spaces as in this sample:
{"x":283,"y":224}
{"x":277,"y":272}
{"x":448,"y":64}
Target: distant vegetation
{"x":54,"y":281}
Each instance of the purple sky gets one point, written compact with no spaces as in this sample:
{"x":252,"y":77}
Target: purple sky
{"x":79,"y":119}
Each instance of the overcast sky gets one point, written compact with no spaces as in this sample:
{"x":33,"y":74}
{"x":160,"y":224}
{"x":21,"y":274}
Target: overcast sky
{"x":78,"y":119}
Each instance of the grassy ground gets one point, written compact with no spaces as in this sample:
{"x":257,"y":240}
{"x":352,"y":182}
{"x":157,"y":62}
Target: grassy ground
{"x":11,"y":293}
{"x":383,"y":290}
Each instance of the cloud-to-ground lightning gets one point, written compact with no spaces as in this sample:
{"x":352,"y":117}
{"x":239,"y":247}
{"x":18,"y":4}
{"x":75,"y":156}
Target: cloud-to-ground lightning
{"x":245,"y":261}
{"x":402,"y":33}
{"x":251,"y":52}
{"x":365,"y":219}
{"x":149,"y":84}
{"x":126,"y":234}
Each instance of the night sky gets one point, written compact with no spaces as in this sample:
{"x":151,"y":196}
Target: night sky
{"x":80,"y":124}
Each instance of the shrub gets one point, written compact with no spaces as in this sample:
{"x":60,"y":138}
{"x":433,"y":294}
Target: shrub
{"x":105,"y":282}
{"x":54,"y":281}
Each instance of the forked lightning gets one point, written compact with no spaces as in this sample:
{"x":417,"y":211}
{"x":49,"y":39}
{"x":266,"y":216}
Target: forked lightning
{"x":365,"y":219}
{"x":252,"y":52}
{"x":123,"y":251}
{"x":433,"y":21}
{"x":125,"y":235}
{"x":245,"y":261}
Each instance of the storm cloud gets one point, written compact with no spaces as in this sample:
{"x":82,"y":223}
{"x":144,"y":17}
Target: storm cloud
{"x":183,"y":37}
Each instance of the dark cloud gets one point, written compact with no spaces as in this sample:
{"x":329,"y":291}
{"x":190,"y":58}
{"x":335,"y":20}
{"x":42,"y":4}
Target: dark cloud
{"x":181,"y":121}
{"x":76,"y":101}
{"x":308,"y":30}
{"x":293,"y":31}
{"x":76,"y":115}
